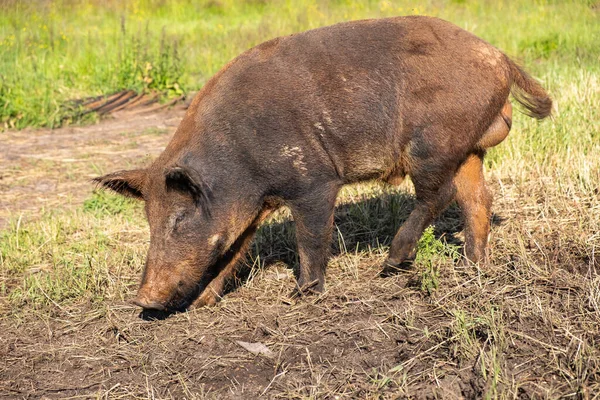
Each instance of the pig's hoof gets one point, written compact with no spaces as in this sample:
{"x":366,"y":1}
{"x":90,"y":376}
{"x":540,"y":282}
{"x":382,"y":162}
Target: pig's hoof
{"x":313,"y":287}
{"x":391,"y":267}
{"x":207,"y":298}
{"x":466,"y":262}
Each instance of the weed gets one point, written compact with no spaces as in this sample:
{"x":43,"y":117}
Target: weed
{"x":431,"y":252}
{"x":142,"y":66}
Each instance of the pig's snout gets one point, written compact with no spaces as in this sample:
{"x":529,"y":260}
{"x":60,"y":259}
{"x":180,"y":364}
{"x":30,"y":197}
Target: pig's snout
{"x":147,"y":302}
{"x":148,"y":305}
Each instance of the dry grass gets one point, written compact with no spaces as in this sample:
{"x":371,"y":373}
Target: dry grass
{"x":525,"y":325}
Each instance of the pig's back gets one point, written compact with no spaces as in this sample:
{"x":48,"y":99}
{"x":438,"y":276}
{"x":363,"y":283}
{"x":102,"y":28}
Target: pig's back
{"x":356,"y":94}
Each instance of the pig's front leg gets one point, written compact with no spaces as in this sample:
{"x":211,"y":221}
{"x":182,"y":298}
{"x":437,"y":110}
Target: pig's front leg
{"x":313,"y":215}
{"x":215,"y":290}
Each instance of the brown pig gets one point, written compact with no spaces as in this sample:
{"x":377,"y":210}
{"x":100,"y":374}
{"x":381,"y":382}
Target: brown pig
{"x":289,"y":122}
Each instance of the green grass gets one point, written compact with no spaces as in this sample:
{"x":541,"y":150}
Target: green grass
{"x":103,"y":203}
{"x":79,"y":255}
{"x":54,"y":51}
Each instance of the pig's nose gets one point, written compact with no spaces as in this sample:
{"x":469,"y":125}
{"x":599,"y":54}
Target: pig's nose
{"x":147,"y":304}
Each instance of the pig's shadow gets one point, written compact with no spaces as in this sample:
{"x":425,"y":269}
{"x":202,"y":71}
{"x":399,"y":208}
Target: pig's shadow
{"x":155,"y":315}
{"x":369,"y":224}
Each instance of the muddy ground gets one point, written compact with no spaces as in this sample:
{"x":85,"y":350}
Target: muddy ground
{"x":524,"y":326}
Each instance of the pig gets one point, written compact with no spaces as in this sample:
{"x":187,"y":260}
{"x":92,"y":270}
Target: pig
{"x":292,"y":120}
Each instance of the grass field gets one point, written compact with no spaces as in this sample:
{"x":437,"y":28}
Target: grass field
{"x":55,"y":51}
{"x":527,"y":325}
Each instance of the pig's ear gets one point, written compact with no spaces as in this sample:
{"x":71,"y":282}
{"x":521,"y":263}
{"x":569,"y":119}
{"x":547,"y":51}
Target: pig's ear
{"x":187,"y":181}
{"x":127,"y":183}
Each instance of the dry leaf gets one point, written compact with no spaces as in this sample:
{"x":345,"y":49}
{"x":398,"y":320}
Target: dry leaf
{"x":256,"y":348}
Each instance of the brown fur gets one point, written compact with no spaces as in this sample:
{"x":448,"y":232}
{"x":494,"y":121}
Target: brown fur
{"x":293,"y":120}
{"x":498,"y":130}
{"x":475,"y":201}
{"x":216,"y":288}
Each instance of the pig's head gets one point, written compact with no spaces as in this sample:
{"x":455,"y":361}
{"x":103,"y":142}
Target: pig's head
{"x":190,"y":233}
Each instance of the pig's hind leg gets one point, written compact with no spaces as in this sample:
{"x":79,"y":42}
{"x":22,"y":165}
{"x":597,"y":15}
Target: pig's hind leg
{"x":471,"y":193}
{"x":313,"y":214}
{"x":435,"y":189}
{"x":475,"y":202}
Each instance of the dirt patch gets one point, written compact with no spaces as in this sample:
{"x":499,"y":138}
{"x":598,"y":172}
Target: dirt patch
{"x":44,"y":169}
{"x":366,"y":337}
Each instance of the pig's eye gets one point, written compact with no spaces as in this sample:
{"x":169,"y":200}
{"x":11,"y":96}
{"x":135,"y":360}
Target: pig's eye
{"x":178,"y":218}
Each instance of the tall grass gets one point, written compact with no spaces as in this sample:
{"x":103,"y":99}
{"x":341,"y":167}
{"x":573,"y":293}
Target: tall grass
{"x":53,"y":51}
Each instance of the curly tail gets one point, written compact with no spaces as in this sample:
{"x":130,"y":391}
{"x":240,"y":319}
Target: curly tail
{"x":528,"y":92}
